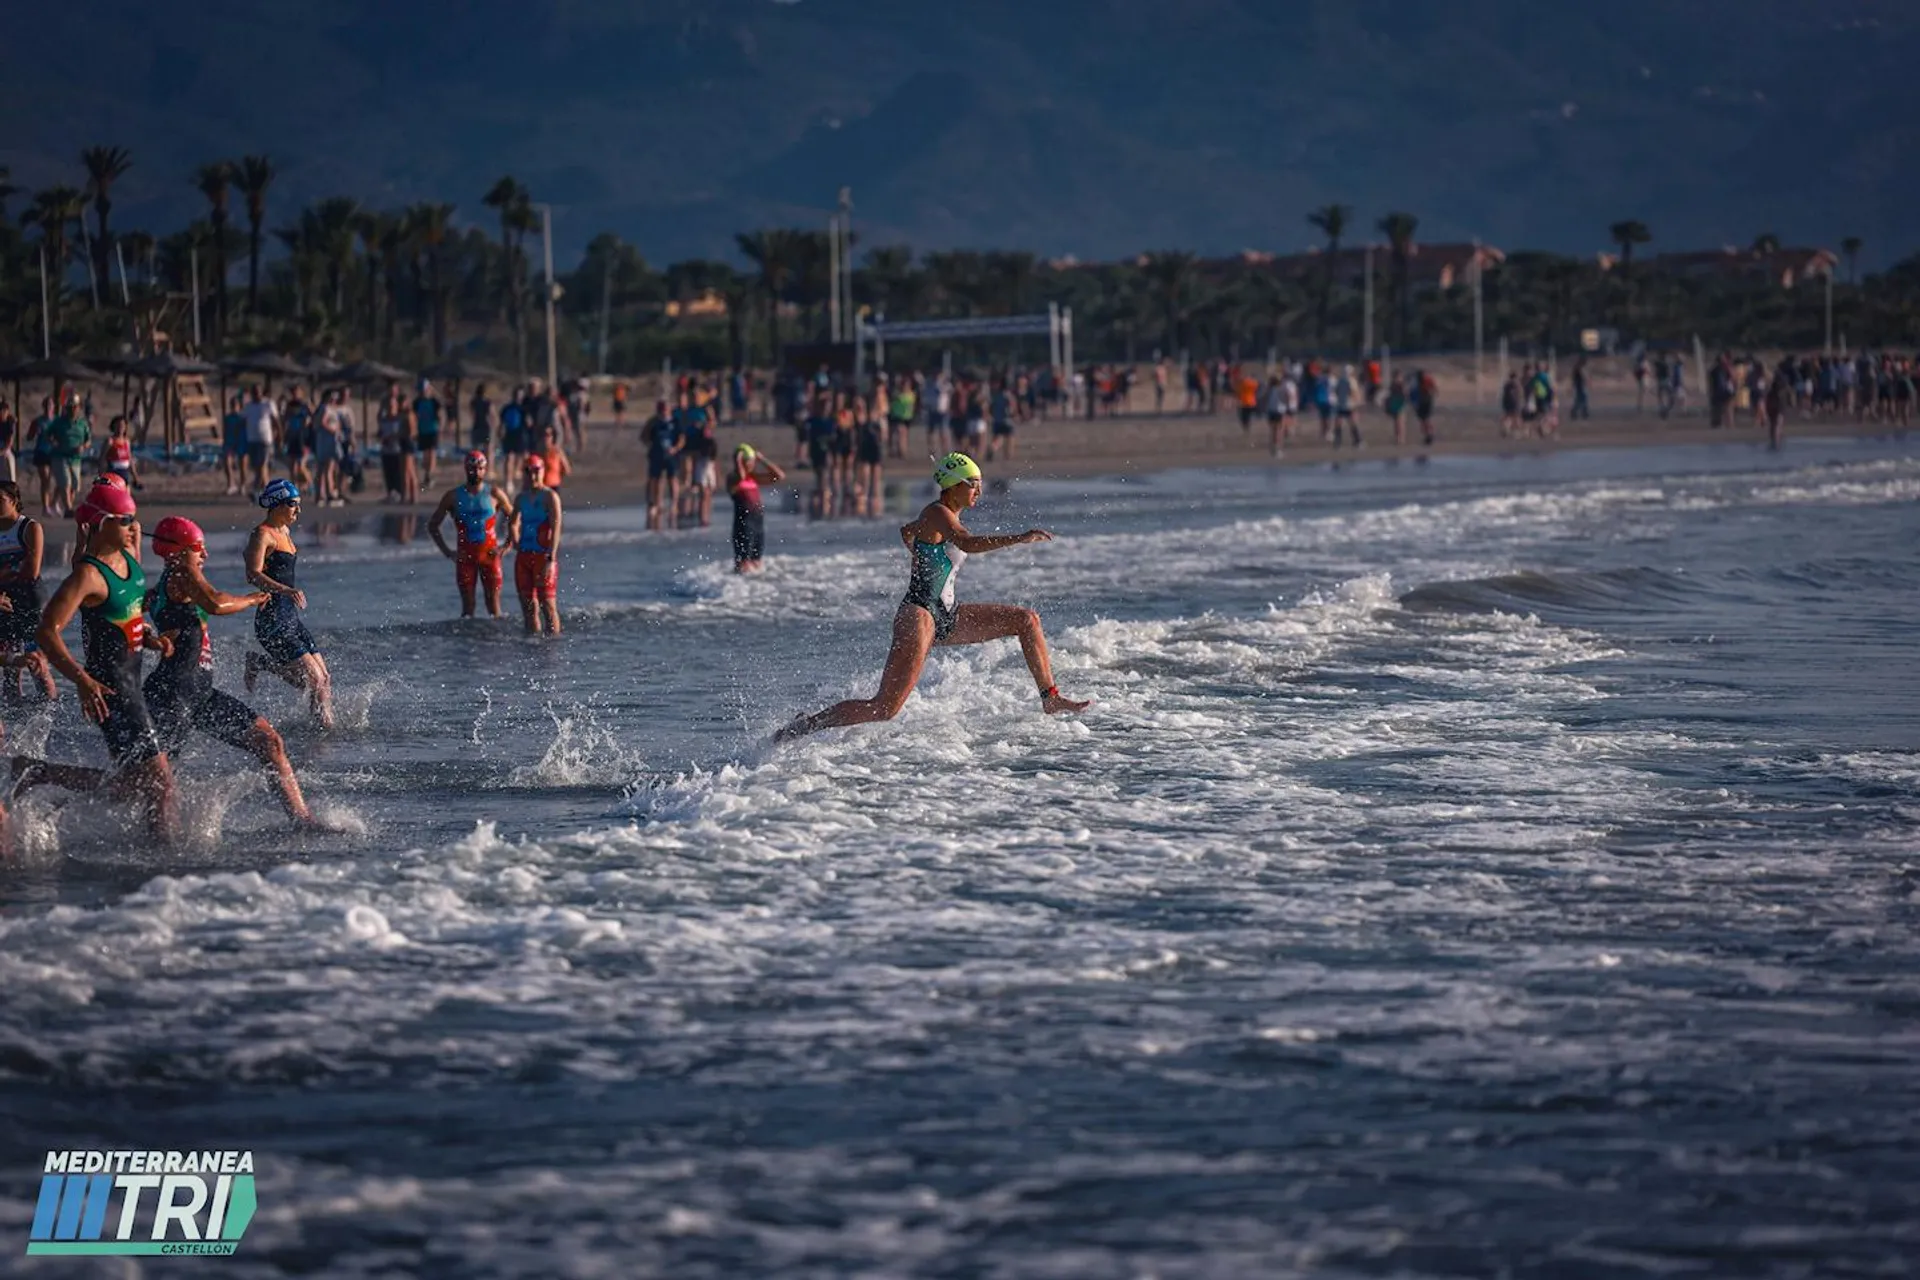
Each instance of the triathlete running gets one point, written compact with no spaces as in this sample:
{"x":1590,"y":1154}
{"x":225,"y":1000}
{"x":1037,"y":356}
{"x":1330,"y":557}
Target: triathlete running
{"x":292,"y":654}
{"x":536,"y":560}
{"x":928,"y":616}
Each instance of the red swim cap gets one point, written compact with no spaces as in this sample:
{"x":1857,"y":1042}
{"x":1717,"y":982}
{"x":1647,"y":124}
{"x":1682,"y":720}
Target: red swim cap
{"x":476,"y":459}
{"x":536,"y":465}
{"x":104,"y":499}
{"x":175,"y":534}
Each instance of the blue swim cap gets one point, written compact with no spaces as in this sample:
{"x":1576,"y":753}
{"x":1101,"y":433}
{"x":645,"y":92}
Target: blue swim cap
{"x":279,"y":493}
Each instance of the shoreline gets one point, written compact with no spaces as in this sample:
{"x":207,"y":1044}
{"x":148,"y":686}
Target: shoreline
{"x":1055,"y":450}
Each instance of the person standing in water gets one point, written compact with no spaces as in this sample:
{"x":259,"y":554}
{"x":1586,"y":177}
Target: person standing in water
{"x":750,"y":471}
{"x":292,"y":654}
{"x":536,"y":559}
{"x":108,"y":588}
{"x":928,"y":616}
{"x":479,"y":510}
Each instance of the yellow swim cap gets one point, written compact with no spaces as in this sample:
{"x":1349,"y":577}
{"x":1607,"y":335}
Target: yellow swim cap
{"x":955,"y":468}
{"x":746,"y":451}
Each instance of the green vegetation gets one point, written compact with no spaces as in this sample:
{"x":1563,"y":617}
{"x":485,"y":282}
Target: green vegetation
{"x":406,"y":285}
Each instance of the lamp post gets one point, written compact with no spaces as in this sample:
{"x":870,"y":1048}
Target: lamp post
{"x":553,"y":295}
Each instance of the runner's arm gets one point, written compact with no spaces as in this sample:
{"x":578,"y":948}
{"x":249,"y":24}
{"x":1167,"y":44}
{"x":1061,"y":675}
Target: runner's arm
{"x":257,"y":567}
{"x":553,"y":518}
{"x":199,"y":591}
{"x":439,"y":517}
{"x":83,"y":586}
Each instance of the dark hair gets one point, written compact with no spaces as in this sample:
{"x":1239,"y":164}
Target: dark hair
{"x":8,"y":489}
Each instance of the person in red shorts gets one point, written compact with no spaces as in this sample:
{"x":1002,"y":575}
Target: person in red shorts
{"x":480,"y":512}
{"x":536,"y":545}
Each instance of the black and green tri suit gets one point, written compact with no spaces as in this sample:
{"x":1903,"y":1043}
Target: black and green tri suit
{"x":931,"y":583}
{"x":180,"y":692}
{"x":111,"y":635}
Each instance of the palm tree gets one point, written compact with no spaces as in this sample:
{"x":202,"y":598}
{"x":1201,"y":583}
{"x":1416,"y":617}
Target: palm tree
{"x":6,"y":189}
{"x":1627,"y":235}
{"x":430,"y":225}
{"x":103,"y":165}
{"x":1012,"y":275}
{"x":772,"y":253}
{"x":1851,"y":246}
{"x":1398,"y":228}
{"x":214,"y":181}
{"x":329,"y":228}
{"x":53,"y":211}
{"x":140,"y":246}
{"x":1330,"y":221}
{"x":253,"y":175}
{"x":506,"y":197}
{"x":1169,"y":273}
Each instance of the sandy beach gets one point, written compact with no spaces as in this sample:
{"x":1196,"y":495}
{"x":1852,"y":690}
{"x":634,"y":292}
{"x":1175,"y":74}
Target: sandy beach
{"x":612,"y":470}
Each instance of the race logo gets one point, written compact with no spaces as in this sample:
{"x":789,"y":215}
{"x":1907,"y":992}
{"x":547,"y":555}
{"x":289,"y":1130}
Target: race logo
{"x":97,"y":1203}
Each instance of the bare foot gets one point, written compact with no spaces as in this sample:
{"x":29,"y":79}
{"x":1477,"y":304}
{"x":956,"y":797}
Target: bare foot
{"x":1056,"y":705}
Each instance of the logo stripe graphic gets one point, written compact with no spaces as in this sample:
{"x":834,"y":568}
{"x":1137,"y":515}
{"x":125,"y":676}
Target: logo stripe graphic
{"x":43,"y":1213}
{"x":71,"y":1204}
{"x":98,"y":1194}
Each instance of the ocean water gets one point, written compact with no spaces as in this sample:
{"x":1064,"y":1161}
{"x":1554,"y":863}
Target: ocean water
{"x":1496,"y":867}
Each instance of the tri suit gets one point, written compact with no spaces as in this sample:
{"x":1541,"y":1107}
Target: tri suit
{"x":276,"y":624}
{"x":180,"y":693}
{"x":536,"y":573}
{"x":18,"y":624}
{"x":931,"y":584}
{"x":477,"y":558}
{"x":112,"y":634}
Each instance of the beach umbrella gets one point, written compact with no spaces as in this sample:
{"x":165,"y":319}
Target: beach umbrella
{"x":271,"y":363}
{"x":168,"y":364}
{"x":459,"y":368}
{"x":58,"y":369}
{"x":365,"y":371}
{"x":317,"y":366}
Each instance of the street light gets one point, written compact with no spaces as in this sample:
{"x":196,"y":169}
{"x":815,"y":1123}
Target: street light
{"x":553,"y":295}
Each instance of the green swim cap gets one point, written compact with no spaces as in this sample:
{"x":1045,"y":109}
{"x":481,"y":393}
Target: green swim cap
{"x":955,"y":468}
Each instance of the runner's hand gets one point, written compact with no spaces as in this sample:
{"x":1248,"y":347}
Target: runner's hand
{"x":299,"y":599}
{"x":1036,"y":535}
{"x":93,"y":698}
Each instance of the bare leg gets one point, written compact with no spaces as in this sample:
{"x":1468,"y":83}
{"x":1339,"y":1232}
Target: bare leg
{"x":979,"y":623}
{"x":265,"y":743}
{"x":29,"y":772}
{"x":311,"y":673}
{"x":553,"y":614}
{"x":912,"y":638}
{"x":530,"y":611}
{"x":492,"y":587}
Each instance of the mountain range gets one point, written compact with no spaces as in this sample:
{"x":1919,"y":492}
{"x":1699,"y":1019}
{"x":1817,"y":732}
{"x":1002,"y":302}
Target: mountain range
{"x":1087,"y":127}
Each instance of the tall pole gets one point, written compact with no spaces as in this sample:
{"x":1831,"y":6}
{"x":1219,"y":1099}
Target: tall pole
{"x":553,"y":348}
{"x":1479,"y":331}
{"x":126,"y":298}
{"x":1829,"y":311}
{"x":93,"y":280}
{"x":1367,"y":346}
{"x":193,"y":269}
{"x":606,"y":307}
{"x":46,"y":316}
{"x":846,"y":256}
{"x":833,"y":273}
